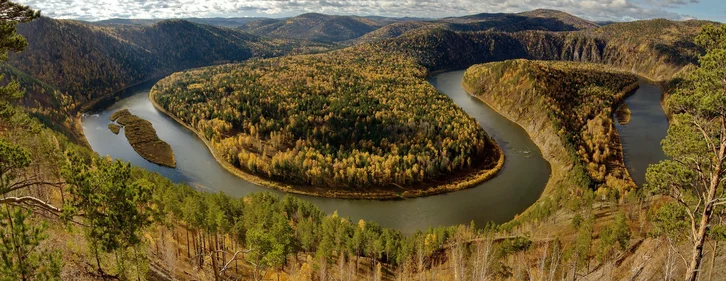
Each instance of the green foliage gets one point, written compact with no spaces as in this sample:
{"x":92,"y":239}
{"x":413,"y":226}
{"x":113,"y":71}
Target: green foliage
{"x":615,"y":234}
{"x":696,"y":146}
{"x":10,"y":40}
{"x":13,"y":159}
{"x":513,"y":245}
{"x":270,"y":245}
{"x":669,"y":220}
{"x":580,"y":252}
{"x":111,"y":201}
{"x":21,"y":257}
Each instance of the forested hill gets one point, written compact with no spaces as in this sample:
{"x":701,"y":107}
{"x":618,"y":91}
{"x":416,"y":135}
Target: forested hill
{"x":68,"y":64}
{"x":544,"y":20}
{"x":221,"y":22}
{"x":566,"y":19}
{"x":569,"y":105}
{"x":314,"y":26}
{"x":656,"y":48}
{"x":87,"y":61}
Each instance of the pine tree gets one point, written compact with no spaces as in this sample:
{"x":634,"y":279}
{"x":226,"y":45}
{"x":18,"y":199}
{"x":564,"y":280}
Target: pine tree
{"x":20,"y":256}
{"x":696,"y":144}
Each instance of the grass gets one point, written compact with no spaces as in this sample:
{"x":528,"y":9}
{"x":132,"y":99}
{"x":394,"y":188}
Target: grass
{"x":142,"y":137}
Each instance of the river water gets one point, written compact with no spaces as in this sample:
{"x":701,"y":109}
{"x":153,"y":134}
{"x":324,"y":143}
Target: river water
{"x":648,"y":125}
{"x":516,"y":187}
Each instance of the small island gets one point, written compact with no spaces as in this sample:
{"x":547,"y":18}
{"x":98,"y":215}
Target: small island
{"x":142,"y":137}
{"x":114,"y":128}
{"x":622,"y":114}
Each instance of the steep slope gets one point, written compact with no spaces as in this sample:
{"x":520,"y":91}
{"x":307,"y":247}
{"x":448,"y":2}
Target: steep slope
{"x":314,"y":26}
{"x":87,"y":62}
{"x":70,"y":65}
{"x":567,"y":109}
{"x":395,"y":30}
{"x":655,"y":48}
{"x":544,"y":20}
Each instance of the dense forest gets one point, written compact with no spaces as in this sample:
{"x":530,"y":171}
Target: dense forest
{"x":578,"y":100}
{"x":232,"y":121}
{"x":657,"y":48}
{"x":69,"y":65}
{"x":347,"y":120}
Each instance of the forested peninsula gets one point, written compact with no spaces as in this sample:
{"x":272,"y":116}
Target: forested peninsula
{"x":567,"y":108}
{"x":355,"y":123}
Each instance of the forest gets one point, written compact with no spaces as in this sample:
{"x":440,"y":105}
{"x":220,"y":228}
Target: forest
{"x":578,"y":99}
{"x":71,"y":65}
{"x":346,"y":120}
{"x":67,"y":213}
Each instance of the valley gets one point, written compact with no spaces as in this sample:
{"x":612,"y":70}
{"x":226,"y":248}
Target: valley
{"x":494,"y":146}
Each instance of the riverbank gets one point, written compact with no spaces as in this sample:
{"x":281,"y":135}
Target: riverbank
{"x":532,"y":115}
{"x":457,"y":181}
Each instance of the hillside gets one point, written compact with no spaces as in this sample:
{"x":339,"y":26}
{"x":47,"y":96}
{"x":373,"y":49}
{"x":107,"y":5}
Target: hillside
{"x":313,"y":26}
{"x":567,"y":107}
{"x":334,"y":124}
{"x":347,"y":120}
{"x":220,"y":22}
{"x":543,"y":20}
{"x":658,"y":49}
{"x":70,"y":65}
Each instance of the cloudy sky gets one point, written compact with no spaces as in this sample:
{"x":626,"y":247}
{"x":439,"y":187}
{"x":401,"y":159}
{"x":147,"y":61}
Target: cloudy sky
{"x":615,"y":10}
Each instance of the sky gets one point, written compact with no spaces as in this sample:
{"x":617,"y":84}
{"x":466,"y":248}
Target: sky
{"x":596,"y":10}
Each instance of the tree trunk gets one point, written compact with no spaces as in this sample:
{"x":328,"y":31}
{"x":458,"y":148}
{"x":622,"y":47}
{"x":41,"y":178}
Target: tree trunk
{"x":189,"y":255}
{"x":215,"y":270}
{"x":713,"y":260}
{"x":700,"y":239}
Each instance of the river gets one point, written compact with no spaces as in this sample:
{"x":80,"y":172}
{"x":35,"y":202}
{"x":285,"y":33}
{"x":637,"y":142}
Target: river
{"x":518,"y":185}
{"x":648,"y":125}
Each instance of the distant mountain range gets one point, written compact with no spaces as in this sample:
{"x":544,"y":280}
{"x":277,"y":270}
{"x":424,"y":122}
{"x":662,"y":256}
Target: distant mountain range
{"x":353,"y":29}
{"x":221,"y":22}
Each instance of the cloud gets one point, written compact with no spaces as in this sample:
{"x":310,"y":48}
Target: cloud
{"x":105,"y":9}
{"x":672,"y":3}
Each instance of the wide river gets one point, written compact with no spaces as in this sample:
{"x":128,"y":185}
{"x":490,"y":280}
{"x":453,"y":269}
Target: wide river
{"x":516,"y":187}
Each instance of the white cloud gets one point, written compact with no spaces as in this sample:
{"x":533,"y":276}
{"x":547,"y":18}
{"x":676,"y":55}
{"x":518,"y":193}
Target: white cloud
{"x":105,"y":9}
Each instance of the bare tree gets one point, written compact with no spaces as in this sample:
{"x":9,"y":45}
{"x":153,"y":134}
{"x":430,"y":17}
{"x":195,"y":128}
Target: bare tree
{"x":482,"y":260}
